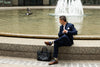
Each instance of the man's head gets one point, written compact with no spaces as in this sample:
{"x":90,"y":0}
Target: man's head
{"x":62,"y":20}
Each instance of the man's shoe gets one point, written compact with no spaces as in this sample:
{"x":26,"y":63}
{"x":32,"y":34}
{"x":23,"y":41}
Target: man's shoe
{"x":48,"y":43}
{"x":53,"y":62}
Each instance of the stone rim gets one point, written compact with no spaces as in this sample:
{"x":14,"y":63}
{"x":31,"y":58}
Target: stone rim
{"x":76,"y":37}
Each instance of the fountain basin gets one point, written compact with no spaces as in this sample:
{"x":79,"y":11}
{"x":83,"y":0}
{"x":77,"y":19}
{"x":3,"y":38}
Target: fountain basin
{"x":76,"y":37}
{"x":72,"y":15}
{"x":40,"y":23}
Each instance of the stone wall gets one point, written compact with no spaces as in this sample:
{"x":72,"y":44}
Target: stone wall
{"x":54,"y":2}
{"x":14,"y":2}
{"x":45,"y":2}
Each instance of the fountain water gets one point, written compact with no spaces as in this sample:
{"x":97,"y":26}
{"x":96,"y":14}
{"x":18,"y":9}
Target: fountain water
{"x":69,"y":8}
{"x":72,"y":9}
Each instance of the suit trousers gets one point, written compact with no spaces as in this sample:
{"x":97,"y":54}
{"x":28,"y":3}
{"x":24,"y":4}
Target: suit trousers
{"x":61,"y":41}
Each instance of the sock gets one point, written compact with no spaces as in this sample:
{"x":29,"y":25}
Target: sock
{"x":52,"y":42}
{"x":55,"y":59}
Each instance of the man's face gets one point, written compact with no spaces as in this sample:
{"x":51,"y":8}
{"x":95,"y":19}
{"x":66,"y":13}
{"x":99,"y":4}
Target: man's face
{"x":61,"y":21}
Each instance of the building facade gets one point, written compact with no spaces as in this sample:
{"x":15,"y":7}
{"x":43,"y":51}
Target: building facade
{"x":41,"y":2}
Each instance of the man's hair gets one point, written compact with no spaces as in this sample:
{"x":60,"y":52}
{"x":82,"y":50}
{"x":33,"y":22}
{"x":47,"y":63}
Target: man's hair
{"x":63,"y":18}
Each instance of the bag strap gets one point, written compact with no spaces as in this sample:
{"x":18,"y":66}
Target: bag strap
{"x":44,"y":49}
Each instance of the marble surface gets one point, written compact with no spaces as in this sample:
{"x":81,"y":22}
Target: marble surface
{"x":25,"y":47}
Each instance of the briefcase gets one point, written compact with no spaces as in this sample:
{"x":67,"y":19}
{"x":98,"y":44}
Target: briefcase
{"x":44,"y":54}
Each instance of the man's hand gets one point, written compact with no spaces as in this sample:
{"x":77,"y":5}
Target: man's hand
{"x":65,"y":31}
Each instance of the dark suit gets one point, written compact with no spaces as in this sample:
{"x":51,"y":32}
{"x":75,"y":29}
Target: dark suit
{"x":65,"y":39}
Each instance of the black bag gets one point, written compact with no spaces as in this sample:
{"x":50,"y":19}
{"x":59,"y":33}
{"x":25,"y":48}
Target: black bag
{"x":44,"y":54}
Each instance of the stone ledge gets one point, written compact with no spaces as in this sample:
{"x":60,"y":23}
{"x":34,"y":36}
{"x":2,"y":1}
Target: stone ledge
{"x":42,"y":7}
{"x":75,"y":49}
{"x":23,"y":47}
{"x":60,"y":56}
{"x":77,"y":37}
{"x":34,"y":48}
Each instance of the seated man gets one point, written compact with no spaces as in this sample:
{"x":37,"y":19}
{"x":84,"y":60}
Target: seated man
{"x":67,"y":30}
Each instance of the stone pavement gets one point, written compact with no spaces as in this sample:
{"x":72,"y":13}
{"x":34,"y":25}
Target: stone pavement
{"x":27,"y":62}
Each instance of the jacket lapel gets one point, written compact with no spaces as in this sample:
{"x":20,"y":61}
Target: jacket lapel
{"x":67,"y":26}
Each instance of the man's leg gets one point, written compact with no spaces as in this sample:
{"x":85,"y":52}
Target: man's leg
{"x":62,"y":41}
{"x":65,"y":39}
{"x":56,"y":48}
{"x":55,"y":53}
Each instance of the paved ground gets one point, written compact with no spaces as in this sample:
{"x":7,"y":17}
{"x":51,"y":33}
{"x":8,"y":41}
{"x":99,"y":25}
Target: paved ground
{"x":44,"y":7}
{"x":27,"y":62}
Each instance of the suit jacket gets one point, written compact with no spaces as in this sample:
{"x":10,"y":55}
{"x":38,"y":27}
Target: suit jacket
{"x":71,"y":31}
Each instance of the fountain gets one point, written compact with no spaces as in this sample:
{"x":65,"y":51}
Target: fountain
{"x":72,"y":9}
{"x":69,"y":8}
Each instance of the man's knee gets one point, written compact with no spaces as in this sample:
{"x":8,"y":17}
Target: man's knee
{"x":60,"y":39}
{"x":55,"y":43}
{"x":65,"y":36}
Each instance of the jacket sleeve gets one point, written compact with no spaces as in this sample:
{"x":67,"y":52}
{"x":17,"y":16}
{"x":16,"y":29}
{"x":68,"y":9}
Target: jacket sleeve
{"x":73,"y":30}
{"x":60,"y":32}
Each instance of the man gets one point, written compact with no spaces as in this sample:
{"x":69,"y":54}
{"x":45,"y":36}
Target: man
{"x":67,"y":30}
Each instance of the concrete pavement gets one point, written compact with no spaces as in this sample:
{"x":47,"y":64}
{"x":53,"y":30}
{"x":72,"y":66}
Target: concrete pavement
{"x":27,"y":62}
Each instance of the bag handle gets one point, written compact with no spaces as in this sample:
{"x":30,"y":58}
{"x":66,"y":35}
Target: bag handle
{"x":44,"y":49}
